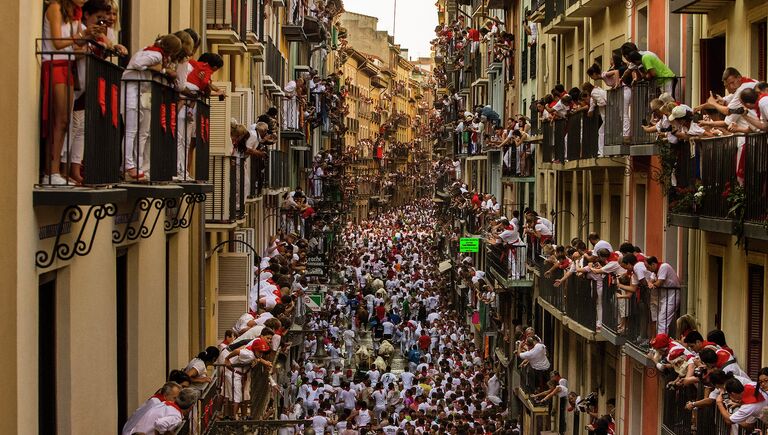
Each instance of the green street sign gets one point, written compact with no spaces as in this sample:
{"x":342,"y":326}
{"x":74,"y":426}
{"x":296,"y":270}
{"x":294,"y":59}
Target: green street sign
{"x":469,"y":244}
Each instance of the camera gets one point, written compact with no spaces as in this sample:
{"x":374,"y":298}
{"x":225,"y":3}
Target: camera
{"x":585,"y":403}
{"x":700,"y":372}
{"x":101,"y":23}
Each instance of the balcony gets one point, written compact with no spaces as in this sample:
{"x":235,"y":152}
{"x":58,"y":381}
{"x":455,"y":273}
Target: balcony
{"x":257,"y":179}
{"x":293,"y":27}
{"x":627,"y":137}
{"x":292,"y":126}
{"x":314,"y":30}
{"x":511,"y":170}
{"x":627,"y":318}
{"x":507,"y":265}
{"x":698,"y":6}
{"x":279,"y":176}
{"x":274,"y":69}
{"x":555,"y":20}
{"x":574,"y":302}
{"x":700,"y":197}
{"x":226,"y":25}
{"x":227,"y":203}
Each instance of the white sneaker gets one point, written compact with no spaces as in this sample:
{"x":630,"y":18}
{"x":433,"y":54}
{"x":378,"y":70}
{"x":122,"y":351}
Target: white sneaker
{"x":54,"y":179}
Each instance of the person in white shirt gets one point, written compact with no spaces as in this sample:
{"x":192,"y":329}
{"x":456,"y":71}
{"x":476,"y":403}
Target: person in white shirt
{"x":752,"y":401}
{"x":169,"y":392}
{"x":536,"y":357}
{"x":598,"y":98}
{"x":598,"y":243}
{"x":167,"y":416}
{"x":664,"y":278}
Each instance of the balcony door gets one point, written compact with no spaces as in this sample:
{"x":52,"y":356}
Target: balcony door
{"x":711,"y":65}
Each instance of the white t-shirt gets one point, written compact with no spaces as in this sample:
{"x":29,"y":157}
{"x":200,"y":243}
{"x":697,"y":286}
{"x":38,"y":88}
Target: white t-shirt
{"x":668,"y":274}
{"x":537,"y":357}
{"x":161,"y":418}
{"x":319,"y":423}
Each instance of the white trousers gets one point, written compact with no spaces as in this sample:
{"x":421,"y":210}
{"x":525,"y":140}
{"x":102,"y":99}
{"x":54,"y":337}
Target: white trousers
{"x":137,"y":123}
{"x":75,"y":138}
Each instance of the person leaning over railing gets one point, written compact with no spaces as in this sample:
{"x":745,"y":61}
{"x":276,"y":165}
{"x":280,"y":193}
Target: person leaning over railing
{"x":757,"y":104}
{"x":169,"y":415}
{"x":137,"y":93}
{"x":193,"y":80}
{"x":94,"y":16}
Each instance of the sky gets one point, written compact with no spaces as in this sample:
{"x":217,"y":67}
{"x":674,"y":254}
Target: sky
{"x":416,"y":21}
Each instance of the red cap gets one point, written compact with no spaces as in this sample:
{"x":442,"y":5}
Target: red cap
{"x":661,"y":341}
{"x":260,"y":345}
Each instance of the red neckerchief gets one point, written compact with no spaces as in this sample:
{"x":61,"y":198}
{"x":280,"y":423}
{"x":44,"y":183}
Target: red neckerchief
{"x":156,"y":49}
{"x":158,"y":396}
{"x":77,"y":13}
{"x":746,"y":80}
{"x":174,"y":405}
{"x":749,"y":397}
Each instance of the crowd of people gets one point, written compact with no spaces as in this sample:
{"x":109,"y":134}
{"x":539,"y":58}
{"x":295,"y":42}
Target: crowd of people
{"x":667,"y":118}
{"x":392,"y":355}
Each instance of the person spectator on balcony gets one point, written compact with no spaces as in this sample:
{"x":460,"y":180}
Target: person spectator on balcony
{"x":662,"y":279}
{"x":196,"y":369}
{"x":534,"y":354}
{"x":169,"y":392}
{"x":63,"y":33}
{"x":756,"y":102}
{"x":94,"y":16}
{"x":531,"y":29}
{"x":598,"y":99}
{"x":473,"y":36}
{"x":655,"y":70}
{"x":113,"y":27}
{"x":168,"y":416}
{"x":598,"y":243}
{"x":717,"y":336}
{"x":751,"y":401}
{"x":476,"y":129}
{"x":137,"y":100}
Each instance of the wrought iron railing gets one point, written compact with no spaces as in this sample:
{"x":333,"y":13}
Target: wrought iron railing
{"x":639,"y":316}
{"x":227,"y":201}
{"x":756,"y":177}
{"x":94,"y":134}
{"x":580,"y":301}
{"x":508,"y":261}
{"x":548,"y":291}
{"x":278,"y":169}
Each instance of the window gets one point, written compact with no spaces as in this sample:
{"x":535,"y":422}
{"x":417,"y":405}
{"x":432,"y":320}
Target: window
{"x":759,"y":40}
{"x":639,"y":224}
{"x":715,"y":290}
{"x":642,"y":28}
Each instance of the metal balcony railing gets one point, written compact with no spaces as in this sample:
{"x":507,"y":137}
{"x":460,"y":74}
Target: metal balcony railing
{"x":756,"y":177}
{"x":258,"y":176}
{"x":548,"y":291}
{"x":94,"y":136}
{"x":274,"y":63}
{"x":629,"y":108}
{"x":704,"y":172}
{"x":508,"y":261}
{"x":227,"y":202}
{"x":631,"y":315}
{"x":580,"y":301}
{"x":559,"y":131}
{"x":278,"y":169}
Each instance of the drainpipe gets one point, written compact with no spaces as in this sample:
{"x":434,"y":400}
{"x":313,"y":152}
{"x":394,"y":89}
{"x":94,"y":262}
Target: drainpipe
{"x":201,"y":277}
{"x":203,"y":28}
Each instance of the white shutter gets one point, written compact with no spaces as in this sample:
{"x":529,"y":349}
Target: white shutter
{"x":248,"y":117}
{"x":221,"y":114}
{"x":218,"y":12}
{"x":251,"y":12}
{"x":232,"y":298}
{"x":236,"y":106}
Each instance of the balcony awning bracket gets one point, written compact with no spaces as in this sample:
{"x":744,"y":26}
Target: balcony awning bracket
{"x":82,"y":245}
{"x":185,"y":208}
{"x":150,"y":206}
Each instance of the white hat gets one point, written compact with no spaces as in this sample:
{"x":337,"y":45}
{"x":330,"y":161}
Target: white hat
{"x":677,"y":113}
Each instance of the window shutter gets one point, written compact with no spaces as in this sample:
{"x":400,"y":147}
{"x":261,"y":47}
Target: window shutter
{"x":217,"y":14}
{"x":232,"y":298}
{"x":755,"y":282}
{"x":221,"y":114}
{"x":761,"y":50}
